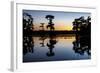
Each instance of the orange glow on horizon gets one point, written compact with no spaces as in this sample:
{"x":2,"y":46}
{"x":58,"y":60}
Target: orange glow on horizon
{"x":64,"y":27}
{"x":57,"y":27}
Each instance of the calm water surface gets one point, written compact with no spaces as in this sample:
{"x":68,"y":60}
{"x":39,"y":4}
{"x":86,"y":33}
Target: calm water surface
{"x":54,"y":48}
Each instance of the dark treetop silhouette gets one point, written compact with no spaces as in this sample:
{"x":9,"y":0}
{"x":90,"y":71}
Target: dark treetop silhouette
{"x":50,"y":23}
{"x":81,"y":25}
{"x":28,"y":26}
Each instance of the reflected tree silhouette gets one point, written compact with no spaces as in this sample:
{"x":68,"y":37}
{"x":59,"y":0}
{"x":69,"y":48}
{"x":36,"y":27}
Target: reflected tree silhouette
{"x":28,"y":45}
{"x":82,"y":45}
{"x":51,"y":44}
{"x":42,"y":39}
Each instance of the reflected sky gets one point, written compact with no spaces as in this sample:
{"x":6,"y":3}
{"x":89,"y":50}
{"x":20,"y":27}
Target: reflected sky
{"x":61,"y":50}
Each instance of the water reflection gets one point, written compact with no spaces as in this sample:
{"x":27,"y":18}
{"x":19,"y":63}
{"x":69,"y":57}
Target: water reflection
{"x":42,"y":39}
{"x":28,"y":44}
{"x":51,"y":44}
{"x":53,"y":47}
{"x":82,"y":44}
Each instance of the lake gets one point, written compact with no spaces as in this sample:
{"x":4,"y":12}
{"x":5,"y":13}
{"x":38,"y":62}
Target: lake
{"x":56,"y":48}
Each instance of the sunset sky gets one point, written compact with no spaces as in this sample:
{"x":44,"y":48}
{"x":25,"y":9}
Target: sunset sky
{"x":62,"y":20}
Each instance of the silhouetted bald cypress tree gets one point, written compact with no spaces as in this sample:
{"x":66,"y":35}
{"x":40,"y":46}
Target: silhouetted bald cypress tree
{"x":81,"y":25}
{"x":42,"y":26}
{"x":27,"y":23}
{"x":50,"y":23}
